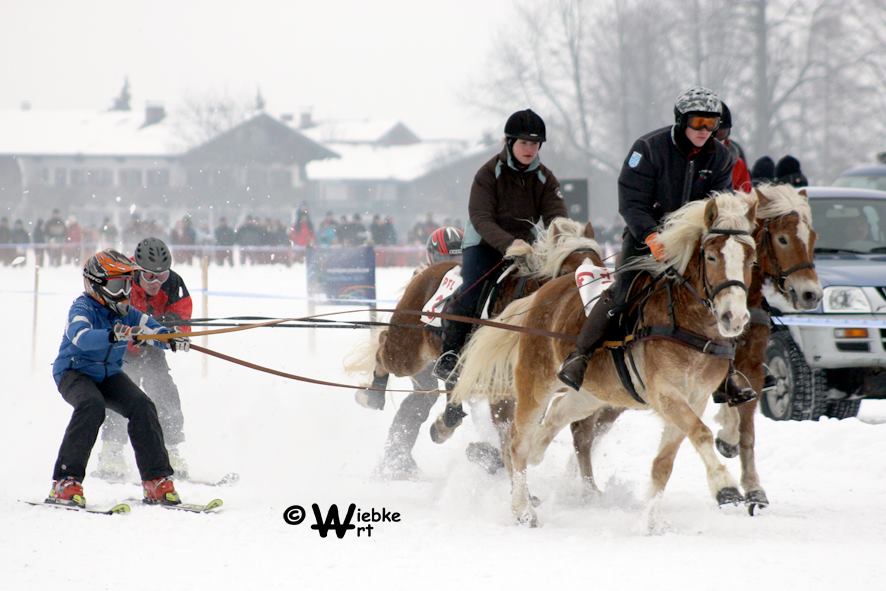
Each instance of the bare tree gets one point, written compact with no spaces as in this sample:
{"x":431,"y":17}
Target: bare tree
{"x":201,"y":118}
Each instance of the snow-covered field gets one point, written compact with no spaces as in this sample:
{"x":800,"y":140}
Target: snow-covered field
{"x":294,"y":443}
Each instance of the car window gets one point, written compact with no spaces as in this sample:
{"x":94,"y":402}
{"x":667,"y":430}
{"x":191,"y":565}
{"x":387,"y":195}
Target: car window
{"x":850,"y":224}
{"x":877,"y":182}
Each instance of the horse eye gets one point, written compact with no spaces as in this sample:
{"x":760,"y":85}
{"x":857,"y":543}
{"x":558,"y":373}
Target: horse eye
{"x":782,"y":240}
{"x":711,"y":258}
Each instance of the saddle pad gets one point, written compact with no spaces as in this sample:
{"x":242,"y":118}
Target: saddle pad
{"x":450,"y":282}
{"x":591,"y":281}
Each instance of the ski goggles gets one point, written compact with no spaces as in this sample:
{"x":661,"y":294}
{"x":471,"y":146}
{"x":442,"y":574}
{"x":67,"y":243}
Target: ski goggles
{"x":118,"y":287}
{"x":702,"y":122}
{"x":155,"y":277}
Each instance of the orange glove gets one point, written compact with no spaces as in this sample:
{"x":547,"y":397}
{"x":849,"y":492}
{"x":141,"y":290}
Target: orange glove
{"x":655,"y":246}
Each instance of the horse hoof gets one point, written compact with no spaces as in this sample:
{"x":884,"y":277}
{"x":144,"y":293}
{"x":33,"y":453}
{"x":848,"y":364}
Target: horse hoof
{"x":527,"y":519}
{"x":729,"y":496}
{"x":371,"y":399}
{"x":534,"y":501}
{"x":727,"y":450}
{"x":756,"y":499}
{"x":486,"y":455}
{"x":440,"y":433}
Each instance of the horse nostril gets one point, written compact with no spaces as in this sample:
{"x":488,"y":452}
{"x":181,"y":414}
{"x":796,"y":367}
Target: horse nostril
{"x":810,"y":296}
{"x":725,"y":317}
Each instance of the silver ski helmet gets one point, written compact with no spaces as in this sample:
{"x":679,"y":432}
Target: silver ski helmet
{"x":697,"y":100}
{"x":153,"y":255}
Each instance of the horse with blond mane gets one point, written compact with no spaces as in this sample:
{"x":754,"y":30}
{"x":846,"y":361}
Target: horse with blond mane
{"x":691,"y":307}
{"x":785,"y":241}
{"x":408,"y":346}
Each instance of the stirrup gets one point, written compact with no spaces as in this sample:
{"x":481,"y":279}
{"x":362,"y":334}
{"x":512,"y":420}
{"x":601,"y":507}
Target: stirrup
{"x":444,"y":368}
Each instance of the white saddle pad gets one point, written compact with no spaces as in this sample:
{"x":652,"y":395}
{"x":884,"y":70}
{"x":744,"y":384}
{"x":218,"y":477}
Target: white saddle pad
{"x":592,"y":281}
{"x":450,"y":282}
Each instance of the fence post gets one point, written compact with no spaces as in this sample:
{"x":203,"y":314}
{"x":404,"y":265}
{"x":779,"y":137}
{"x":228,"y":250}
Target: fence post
{"x":204,"y":263}
{"x":34,"y":321}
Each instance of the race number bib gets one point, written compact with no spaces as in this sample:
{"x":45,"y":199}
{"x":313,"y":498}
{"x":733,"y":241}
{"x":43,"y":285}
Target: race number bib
{"x":591,"y":281}
{"x":450,"y":282}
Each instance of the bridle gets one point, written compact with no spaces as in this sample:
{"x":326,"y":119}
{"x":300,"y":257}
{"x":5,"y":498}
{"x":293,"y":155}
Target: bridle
{"x":711,"y":292}
{"x":780,"y":275}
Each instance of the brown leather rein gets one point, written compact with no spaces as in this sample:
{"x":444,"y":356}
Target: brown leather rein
{"x":456,"y":317}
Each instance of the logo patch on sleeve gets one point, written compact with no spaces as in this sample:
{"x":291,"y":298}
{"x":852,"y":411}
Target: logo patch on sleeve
{"x":634,"y":160}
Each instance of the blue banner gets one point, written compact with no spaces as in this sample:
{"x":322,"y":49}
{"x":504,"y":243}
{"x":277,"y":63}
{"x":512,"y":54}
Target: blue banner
{"x":342,"y":273}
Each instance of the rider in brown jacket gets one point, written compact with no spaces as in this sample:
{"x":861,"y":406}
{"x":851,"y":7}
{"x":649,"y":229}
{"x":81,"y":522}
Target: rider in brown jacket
{"x":509,"y":195}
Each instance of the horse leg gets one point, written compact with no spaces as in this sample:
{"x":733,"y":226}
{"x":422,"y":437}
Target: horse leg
{"x":486,"y":454}
{"x":755,"y":496}
{"x":677,"y":410}
{"x":524,"y":430}
{"x":398,"y":461}
{"x":584,"y":432}
{"x":563,"y":409}
{"x":728,"y":435}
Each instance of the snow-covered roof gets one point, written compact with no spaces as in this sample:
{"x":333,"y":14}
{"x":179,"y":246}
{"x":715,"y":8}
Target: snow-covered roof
{"x":356,"y":131}
{"x":397,"y":163}
{"x":93,"y":133}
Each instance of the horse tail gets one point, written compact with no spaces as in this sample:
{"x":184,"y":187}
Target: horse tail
{"x":488,"y":360}
{"x":362,"y":359}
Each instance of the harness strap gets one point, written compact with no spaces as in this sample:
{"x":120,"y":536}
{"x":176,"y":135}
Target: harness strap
{"x":621,"y":368}
{"x":724,"y":350}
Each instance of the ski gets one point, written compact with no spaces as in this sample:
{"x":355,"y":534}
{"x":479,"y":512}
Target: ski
{"x":117,"y":509}
{"x":226,"y":480}
{"x":209,"y":507}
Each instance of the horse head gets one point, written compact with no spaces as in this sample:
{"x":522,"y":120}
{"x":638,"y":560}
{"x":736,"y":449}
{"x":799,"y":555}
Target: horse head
{"x":563,"y":246}
{"x":785,"y":244}
{"x":710,"y":243}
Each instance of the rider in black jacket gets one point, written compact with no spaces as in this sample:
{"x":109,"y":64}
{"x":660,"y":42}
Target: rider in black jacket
{"x":664,"y":170}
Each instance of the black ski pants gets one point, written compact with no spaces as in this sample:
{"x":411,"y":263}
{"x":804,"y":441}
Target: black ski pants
{"x":89,"y":400}
{"x":477,"y":261}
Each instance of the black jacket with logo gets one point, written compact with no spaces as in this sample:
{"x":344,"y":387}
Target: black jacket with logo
{"x":658,"y":177}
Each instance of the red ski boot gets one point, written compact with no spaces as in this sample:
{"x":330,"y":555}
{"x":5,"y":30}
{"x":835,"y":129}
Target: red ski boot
{"x":160,"y":491}
{"x":67,"y":491}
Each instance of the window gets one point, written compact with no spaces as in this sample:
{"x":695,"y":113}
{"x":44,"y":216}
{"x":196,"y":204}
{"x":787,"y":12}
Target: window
{"x":158,"y":177}
{"x":281,"y":178}
{"x":78,"y":177}
{"x":99,"y":177}
{"x":61,"y":177}
{"x":131,"y":178}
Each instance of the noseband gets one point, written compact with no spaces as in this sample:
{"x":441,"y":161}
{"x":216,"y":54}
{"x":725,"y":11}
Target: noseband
{"x":780,"y":275}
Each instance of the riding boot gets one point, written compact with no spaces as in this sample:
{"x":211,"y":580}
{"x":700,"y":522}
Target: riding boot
{"x":593,"y":331}
{"x":732,"y":393}
{"x":454,"y":336}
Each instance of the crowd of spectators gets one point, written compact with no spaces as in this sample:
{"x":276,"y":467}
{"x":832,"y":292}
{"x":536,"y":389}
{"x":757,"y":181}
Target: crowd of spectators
{"x":62,"y":239}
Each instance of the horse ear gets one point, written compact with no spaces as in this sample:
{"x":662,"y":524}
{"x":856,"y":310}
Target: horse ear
{"x":803,"y":193}
{"x":710,"y":213}
{"x":555,"y":231}
{"x":762,"y":199}
{"x":589,"y":231}
{"x":752,"y":211}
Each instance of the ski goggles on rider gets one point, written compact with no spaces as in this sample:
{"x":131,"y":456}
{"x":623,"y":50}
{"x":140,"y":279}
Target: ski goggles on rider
{"x":118,"y":287}
{"x":702,"y":122}
{"x":155,"y":277}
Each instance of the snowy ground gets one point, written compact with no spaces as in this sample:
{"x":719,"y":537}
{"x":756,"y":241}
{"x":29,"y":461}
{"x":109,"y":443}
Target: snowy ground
{"x":294,"y":443}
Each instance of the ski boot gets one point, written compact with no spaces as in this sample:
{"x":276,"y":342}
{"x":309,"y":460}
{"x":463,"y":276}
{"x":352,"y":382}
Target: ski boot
{"x":112,"y":465}
{"x":733,"y":394}
{"x":160,"y":491}
{"x":67,"y":491}
{"x":178,"y":463}
{"x":572,"y":370}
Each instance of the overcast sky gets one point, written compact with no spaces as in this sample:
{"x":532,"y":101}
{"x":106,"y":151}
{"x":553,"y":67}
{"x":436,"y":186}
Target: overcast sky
{"x":407,"y":59}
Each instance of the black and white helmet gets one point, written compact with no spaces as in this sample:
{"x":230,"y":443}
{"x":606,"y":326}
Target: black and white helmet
{"x":152,"y":255}
{"x":697,"y":100}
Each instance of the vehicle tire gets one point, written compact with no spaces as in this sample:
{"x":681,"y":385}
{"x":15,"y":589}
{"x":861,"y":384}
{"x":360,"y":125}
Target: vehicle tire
{"x":799,"y":393}
{"x":842,"y":409}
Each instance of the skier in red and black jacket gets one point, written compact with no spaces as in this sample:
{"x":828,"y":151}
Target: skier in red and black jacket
{"x":160,"y":292}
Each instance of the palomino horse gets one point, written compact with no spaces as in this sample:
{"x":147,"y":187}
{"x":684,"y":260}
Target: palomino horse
{"x":407,"y":347}
{"x":785,"y":241}
{"x":693,"y":308}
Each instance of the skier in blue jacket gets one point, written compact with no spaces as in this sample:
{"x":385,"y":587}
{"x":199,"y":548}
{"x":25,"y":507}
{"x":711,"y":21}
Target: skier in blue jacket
{"x":89,"y":375}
